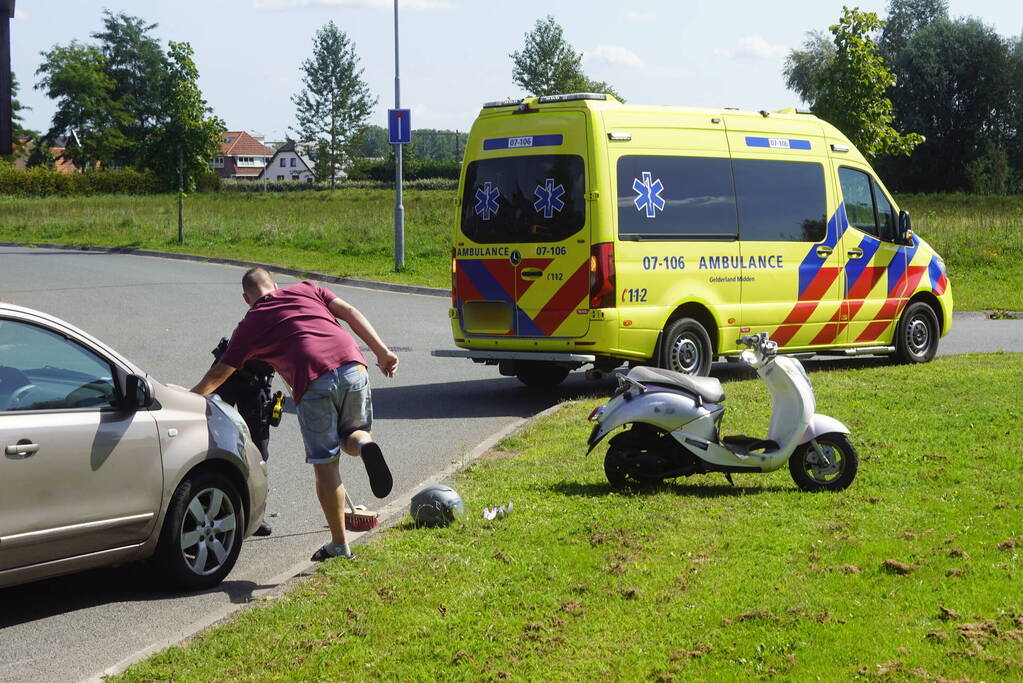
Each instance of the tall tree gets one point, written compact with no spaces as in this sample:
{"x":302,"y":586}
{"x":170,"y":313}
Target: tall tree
{"x":547,"y":64}
{"x":140,"y":70}
{"x":802,"y":67}
{"x":956,"y":88}
{"x":189,"y":132}
{"x":335,"y":103}
{"x":906,"y":17}
{"x":75,"y":75}
{"x":851,"y":91}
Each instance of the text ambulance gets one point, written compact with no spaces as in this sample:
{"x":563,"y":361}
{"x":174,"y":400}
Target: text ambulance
{"x":591,"y":231}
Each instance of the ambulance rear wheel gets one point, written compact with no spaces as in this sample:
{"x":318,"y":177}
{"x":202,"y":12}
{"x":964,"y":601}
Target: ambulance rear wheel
{"x":540,"y":375}
{"x":686,"y":348}
{"x":916,"y":337}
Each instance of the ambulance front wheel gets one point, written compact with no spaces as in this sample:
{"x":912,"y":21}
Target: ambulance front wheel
{"x":686,"y":348}
{"x":916,"y":337}
{"x":540,"y":375}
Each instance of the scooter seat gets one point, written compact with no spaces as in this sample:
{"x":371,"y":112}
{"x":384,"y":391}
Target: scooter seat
{"x":707,"y":388}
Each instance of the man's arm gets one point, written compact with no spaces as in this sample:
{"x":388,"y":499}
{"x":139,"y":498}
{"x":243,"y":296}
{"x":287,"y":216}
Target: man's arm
{"x":213,"y":378}
{"x":387,"y":360}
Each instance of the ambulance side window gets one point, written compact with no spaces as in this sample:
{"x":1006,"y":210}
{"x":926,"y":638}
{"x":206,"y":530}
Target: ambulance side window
{"x":676,"y":198}
{"x":780,"y":201}
{"x":885,"y":213}
{"x":859,"y":199}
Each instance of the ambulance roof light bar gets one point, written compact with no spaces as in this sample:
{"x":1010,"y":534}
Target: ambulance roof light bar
{"x":547,"y":99}
{"x":502,"y":103}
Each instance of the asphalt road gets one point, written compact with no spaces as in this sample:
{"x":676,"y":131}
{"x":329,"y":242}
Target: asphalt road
{"x":166,"y":316}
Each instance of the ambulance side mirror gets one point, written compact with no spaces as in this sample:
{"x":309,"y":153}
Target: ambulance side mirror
{"x":905,"y":228}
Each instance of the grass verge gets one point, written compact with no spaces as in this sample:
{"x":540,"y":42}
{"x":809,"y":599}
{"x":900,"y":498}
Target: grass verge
{"x":350,"y":232}
{"x":911,"y":574}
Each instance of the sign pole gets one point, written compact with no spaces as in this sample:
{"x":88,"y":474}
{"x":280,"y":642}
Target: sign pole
{"x":6,"y":121}
{"x":399,"y":209}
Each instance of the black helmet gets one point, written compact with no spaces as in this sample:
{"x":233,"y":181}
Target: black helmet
{"x":437,"y":506}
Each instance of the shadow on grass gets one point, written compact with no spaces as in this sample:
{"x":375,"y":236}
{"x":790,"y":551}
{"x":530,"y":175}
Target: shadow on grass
{"x":601,"y":490}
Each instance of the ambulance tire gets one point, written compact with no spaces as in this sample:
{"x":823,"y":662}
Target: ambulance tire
{"x":686,"y":348}
{"x":540,"y":375}
{"x":916,"y":337}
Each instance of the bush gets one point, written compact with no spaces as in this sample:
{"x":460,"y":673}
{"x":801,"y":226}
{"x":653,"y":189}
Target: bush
{"x":44,"y":182}
{"x":383,"y":170}
{"x":209,"y":182}
{"x":285,"y":186}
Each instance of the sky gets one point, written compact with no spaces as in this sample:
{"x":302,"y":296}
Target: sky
{"x":454,"y":54}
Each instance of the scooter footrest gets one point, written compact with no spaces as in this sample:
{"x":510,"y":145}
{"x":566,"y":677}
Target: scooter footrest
{"x":740,"y":444}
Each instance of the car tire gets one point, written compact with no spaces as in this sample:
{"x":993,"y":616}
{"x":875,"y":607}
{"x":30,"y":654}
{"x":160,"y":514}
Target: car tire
{"x":916,"y":336}
{"x":686,"y":348}
{"x":540,"y":375}
{"x":202,"y":532}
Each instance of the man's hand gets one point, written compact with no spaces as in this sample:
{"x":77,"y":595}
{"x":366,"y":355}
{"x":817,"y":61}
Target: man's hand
{"x":387,"y":362}
{"x":213,"y":378}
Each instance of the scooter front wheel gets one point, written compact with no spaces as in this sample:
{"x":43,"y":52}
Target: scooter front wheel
{"x":831,"y":469}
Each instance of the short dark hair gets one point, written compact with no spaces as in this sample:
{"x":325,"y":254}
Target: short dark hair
{"x":255,"y":279}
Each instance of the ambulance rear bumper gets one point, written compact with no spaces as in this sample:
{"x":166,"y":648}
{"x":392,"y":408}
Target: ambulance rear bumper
{"x":495,"y":357}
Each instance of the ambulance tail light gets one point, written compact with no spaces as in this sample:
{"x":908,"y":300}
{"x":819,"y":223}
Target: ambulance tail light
{"x":602,"y":275}
{"x":454,"y":279}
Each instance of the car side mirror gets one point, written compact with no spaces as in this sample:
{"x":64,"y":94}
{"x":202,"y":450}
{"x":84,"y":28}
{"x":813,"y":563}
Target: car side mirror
{"x":137,"y":393}
{"x":905,"y":228}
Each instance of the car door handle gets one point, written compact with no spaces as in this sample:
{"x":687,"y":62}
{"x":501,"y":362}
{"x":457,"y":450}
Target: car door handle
{"x":823,"y":251}
{"x":22,"y":449}
{"x":855,"y":253}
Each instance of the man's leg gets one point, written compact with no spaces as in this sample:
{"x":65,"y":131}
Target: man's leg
{"x":355,"y":440}
{"x":331,"y":493}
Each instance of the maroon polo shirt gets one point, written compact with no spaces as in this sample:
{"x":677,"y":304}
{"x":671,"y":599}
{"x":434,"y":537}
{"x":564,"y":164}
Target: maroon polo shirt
{"x":293,"y":330}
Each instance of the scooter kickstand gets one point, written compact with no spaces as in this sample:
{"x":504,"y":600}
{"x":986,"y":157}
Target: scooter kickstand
{"x":728,"y":476}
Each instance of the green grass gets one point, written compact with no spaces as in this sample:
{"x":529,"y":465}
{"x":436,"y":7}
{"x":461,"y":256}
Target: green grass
{"x":694,"y":580}
{"x":351,"y":233}
{"x":981,"y":240}
{"x":347,"y":232}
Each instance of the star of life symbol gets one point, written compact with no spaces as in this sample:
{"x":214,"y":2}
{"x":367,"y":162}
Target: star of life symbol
{"x":648,"y":194}
{"x":549,"y":198}
{"x":486,"y":201}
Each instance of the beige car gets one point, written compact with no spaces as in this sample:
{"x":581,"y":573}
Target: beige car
{"x":103,"y":465}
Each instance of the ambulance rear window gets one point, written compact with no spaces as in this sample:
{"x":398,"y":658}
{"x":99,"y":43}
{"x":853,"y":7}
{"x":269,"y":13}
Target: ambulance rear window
{"x":524,"y":199}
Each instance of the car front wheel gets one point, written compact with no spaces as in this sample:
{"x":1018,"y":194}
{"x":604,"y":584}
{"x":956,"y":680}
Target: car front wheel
{"x":202,"y":532}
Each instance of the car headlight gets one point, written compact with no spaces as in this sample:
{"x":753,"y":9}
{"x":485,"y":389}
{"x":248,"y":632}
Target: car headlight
{"x":228,"y":431}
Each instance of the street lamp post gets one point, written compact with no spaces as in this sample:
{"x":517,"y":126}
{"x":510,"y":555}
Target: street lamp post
{"x":399,"y":209}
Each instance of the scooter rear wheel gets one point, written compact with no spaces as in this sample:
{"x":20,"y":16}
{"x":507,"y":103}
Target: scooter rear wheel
{"x":810,"y":474}
{"x":619,"y":474}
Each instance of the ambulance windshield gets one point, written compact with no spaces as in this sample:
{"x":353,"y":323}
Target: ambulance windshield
{"x":523,"y":199}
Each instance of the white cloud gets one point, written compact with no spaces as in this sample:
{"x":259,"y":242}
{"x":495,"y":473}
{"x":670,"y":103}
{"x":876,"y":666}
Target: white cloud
{"x":413,"y":5}
{"x":752,"y":47}
{"x":18,"y":14}
{"x":640,"y":16}
{"x":615,"y":54}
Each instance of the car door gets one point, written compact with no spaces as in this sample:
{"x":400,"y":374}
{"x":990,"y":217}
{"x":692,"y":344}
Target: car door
{"x":876,"y":275}
{"x":78,"y":475}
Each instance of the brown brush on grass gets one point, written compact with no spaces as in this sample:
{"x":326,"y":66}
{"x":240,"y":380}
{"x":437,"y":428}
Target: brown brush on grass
{"x":358,"y":518}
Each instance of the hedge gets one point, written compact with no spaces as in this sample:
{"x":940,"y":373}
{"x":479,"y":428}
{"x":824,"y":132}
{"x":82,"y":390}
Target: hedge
{"x":42,"y":182}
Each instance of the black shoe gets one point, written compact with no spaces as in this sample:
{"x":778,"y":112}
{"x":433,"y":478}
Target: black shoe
{"x":325,"y":553}
{"x":376,"y":467}
{"x":263,"y":530}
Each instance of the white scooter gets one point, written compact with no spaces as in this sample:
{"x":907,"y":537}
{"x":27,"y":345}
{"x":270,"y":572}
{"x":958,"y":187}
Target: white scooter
{"x":675,"y":421}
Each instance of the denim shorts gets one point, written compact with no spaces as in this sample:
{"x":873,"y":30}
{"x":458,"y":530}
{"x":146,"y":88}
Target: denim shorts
{"x":335,"y":404}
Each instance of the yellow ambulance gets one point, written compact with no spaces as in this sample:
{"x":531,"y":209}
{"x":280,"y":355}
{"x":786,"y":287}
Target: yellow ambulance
{"x":590,"y":231}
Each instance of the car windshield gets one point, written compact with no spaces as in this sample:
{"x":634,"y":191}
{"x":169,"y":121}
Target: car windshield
{"x":523,"y":199}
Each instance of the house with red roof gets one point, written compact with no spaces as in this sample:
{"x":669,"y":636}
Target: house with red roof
{"x":241,"y":155}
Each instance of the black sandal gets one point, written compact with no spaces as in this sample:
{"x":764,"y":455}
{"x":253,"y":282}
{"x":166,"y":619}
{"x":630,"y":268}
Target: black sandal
{"x":380,"y":480}
{"x":324,"y":554}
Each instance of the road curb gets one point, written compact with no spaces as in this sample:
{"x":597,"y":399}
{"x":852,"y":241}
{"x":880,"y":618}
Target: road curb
{"x":390,"y":514}
{"x":293,"y":272}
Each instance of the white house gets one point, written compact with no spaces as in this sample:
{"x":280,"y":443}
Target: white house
{"x":288,"y":163}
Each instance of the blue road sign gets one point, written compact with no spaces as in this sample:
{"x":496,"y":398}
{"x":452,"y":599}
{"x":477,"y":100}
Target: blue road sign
{"x":399,"y":126}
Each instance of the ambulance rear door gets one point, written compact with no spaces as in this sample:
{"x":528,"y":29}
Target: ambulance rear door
{"x":523,"y":249}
